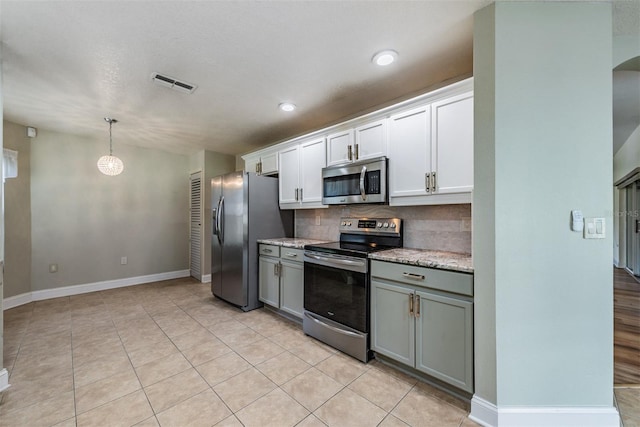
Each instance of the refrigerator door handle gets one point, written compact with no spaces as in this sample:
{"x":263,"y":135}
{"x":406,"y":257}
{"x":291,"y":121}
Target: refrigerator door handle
{"x":221,"y":220}
{"x":214,"y":217}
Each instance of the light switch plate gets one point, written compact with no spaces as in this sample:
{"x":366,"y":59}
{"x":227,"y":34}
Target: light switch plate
{"x":594,"y":228}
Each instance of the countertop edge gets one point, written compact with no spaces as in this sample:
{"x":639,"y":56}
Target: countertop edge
{"x":291,"y":242}
{"x":442,"y":260}
{"x":427,"y":258}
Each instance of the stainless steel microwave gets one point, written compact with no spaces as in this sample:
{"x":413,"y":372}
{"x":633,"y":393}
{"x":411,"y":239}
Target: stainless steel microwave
{"x":360,"y":182}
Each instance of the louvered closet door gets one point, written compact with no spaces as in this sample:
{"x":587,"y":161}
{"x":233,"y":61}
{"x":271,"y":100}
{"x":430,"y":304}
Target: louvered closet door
{"x":195,"y":253}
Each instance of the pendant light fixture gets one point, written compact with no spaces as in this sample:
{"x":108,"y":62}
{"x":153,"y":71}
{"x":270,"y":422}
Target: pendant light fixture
{"x":110,"y":165}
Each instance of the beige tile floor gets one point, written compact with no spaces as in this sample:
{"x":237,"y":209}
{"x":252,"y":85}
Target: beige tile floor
{"x":628,"y":399}
{"x":169,"y":354}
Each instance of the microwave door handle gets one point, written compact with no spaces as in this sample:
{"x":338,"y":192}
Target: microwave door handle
{"x":363,"y":172}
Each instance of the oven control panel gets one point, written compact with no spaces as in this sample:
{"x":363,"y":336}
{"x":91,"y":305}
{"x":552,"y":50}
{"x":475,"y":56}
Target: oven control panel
{"x":371,"y":225}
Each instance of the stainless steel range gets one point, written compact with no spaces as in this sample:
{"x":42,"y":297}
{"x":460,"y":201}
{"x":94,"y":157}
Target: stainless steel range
{"x":337,"y":283}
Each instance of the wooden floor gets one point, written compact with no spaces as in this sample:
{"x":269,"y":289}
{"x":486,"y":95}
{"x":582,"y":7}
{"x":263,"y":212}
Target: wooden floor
{"x":626,"y":314}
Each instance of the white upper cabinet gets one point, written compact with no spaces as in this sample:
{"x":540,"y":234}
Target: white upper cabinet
{"x":364,"y":142}
{"x":269,"y":163}
{"x":300,"y":178}
{"x":312,"y":160}
{"x":452,"y":133}
{"x":430,"y":152}
{"x":289,"y":176}
{"x":251,"y":162}
{"x":371,"y":140}
{"x":409,"y":153}
{"x":340,"y":147}
{"x":263,"y":162}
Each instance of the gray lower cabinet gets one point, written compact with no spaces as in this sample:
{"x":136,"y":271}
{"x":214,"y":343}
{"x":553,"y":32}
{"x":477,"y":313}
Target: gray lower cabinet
{"x":268,"y":280}
{"x":425,"y":328}
{"x":281,"y":278}
{"x":292,"y":287}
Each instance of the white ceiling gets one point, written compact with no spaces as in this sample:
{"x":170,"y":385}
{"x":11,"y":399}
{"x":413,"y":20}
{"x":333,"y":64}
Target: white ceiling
{"x":68,"y":64}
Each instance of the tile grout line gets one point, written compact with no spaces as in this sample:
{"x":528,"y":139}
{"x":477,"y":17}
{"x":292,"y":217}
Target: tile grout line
{"x":130,"y":363}
{"x":192,"y":365}
{"x":73,"y":369}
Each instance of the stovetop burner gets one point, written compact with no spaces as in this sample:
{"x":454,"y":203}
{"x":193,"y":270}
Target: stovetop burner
{"x":361,"y":236}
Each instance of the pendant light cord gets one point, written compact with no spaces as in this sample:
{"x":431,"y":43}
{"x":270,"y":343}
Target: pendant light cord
{"x":110,"y":139}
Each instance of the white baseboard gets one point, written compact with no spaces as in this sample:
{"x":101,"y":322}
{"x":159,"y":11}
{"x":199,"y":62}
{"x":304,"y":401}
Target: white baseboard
{"x":488,"y":414}
{"x":66,"y":291}
{"x":206,"y":278}
{"x":483,"y":412}
{"x":4,"y":380}
{"x":16,"y":301}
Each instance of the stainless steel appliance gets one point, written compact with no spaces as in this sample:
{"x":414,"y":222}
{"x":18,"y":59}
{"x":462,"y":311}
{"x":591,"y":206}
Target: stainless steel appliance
{"x":359,"y":182}
{"x":337,"y":283}
{"x":244,"y":209}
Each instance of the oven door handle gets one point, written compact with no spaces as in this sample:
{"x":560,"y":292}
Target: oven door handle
{"x":333,"y":328}
{"x":359,"y":266}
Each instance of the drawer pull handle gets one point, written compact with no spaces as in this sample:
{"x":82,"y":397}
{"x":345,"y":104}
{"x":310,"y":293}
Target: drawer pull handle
{"x":267,"y":251}
{"x":413,"y":276}
{"x":291,"y":254}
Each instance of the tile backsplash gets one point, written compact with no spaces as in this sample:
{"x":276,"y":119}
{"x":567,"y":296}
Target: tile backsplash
{"x":439,"y":227}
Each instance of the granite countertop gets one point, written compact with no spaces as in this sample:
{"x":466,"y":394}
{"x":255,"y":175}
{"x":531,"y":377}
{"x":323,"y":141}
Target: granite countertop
{"x":292,"y":242}
{"x":425,"y":258}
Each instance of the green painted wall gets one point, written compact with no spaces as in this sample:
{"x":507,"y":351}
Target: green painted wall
{"x":85,"y":221}
{"x":543,"y":148}
{"x":17,"y":198}
{"x":484,"y":204}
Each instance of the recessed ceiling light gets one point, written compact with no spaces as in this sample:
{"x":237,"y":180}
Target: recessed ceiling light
{"x":384,"y":57}
{"x":287,"y":106}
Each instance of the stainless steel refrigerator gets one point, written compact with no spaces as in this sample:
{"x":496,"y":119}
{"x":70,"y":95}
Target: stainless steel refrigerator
{"x":244,"y":209}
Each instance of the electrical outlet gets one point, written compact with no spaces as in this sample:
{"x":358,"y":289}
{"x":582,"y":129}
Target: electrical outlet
{"x":317,"y":219}
{"x":53,"y":268}
{"x":123,"y":260}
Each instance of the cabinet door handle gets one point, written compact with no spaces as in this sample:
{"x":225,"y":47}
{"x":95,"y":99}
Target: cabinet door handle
{"x":417,"y":305}
{"x":410,"y":304}
{"x":356,"y":151}
{"x":301,"y":194}
{"x":433,"y":182}
{"x":413,"y":276}
{"x":275,"y":269}
{"x":296,"y":194}
{"x":427,"y":182}
{"x":349,"y":152}
{"x":257,"y":167}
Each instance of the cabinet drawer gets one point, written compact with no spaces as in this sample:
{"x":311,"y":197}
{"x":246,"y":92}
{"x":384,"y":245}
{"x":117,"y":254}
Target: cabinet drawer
{"x":448,"y":281}
{"x":269,"y":250}
{"x":291,"y":254}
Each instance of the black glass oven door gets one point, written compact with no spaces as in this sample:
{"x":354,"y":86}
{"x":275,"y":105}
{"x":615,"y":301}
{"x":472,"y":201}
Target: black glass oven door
{"x":337,"y":292}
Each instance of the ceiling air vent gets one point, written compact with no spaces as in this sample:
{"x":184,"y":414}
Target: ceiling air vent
{"x":172,"y":83}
